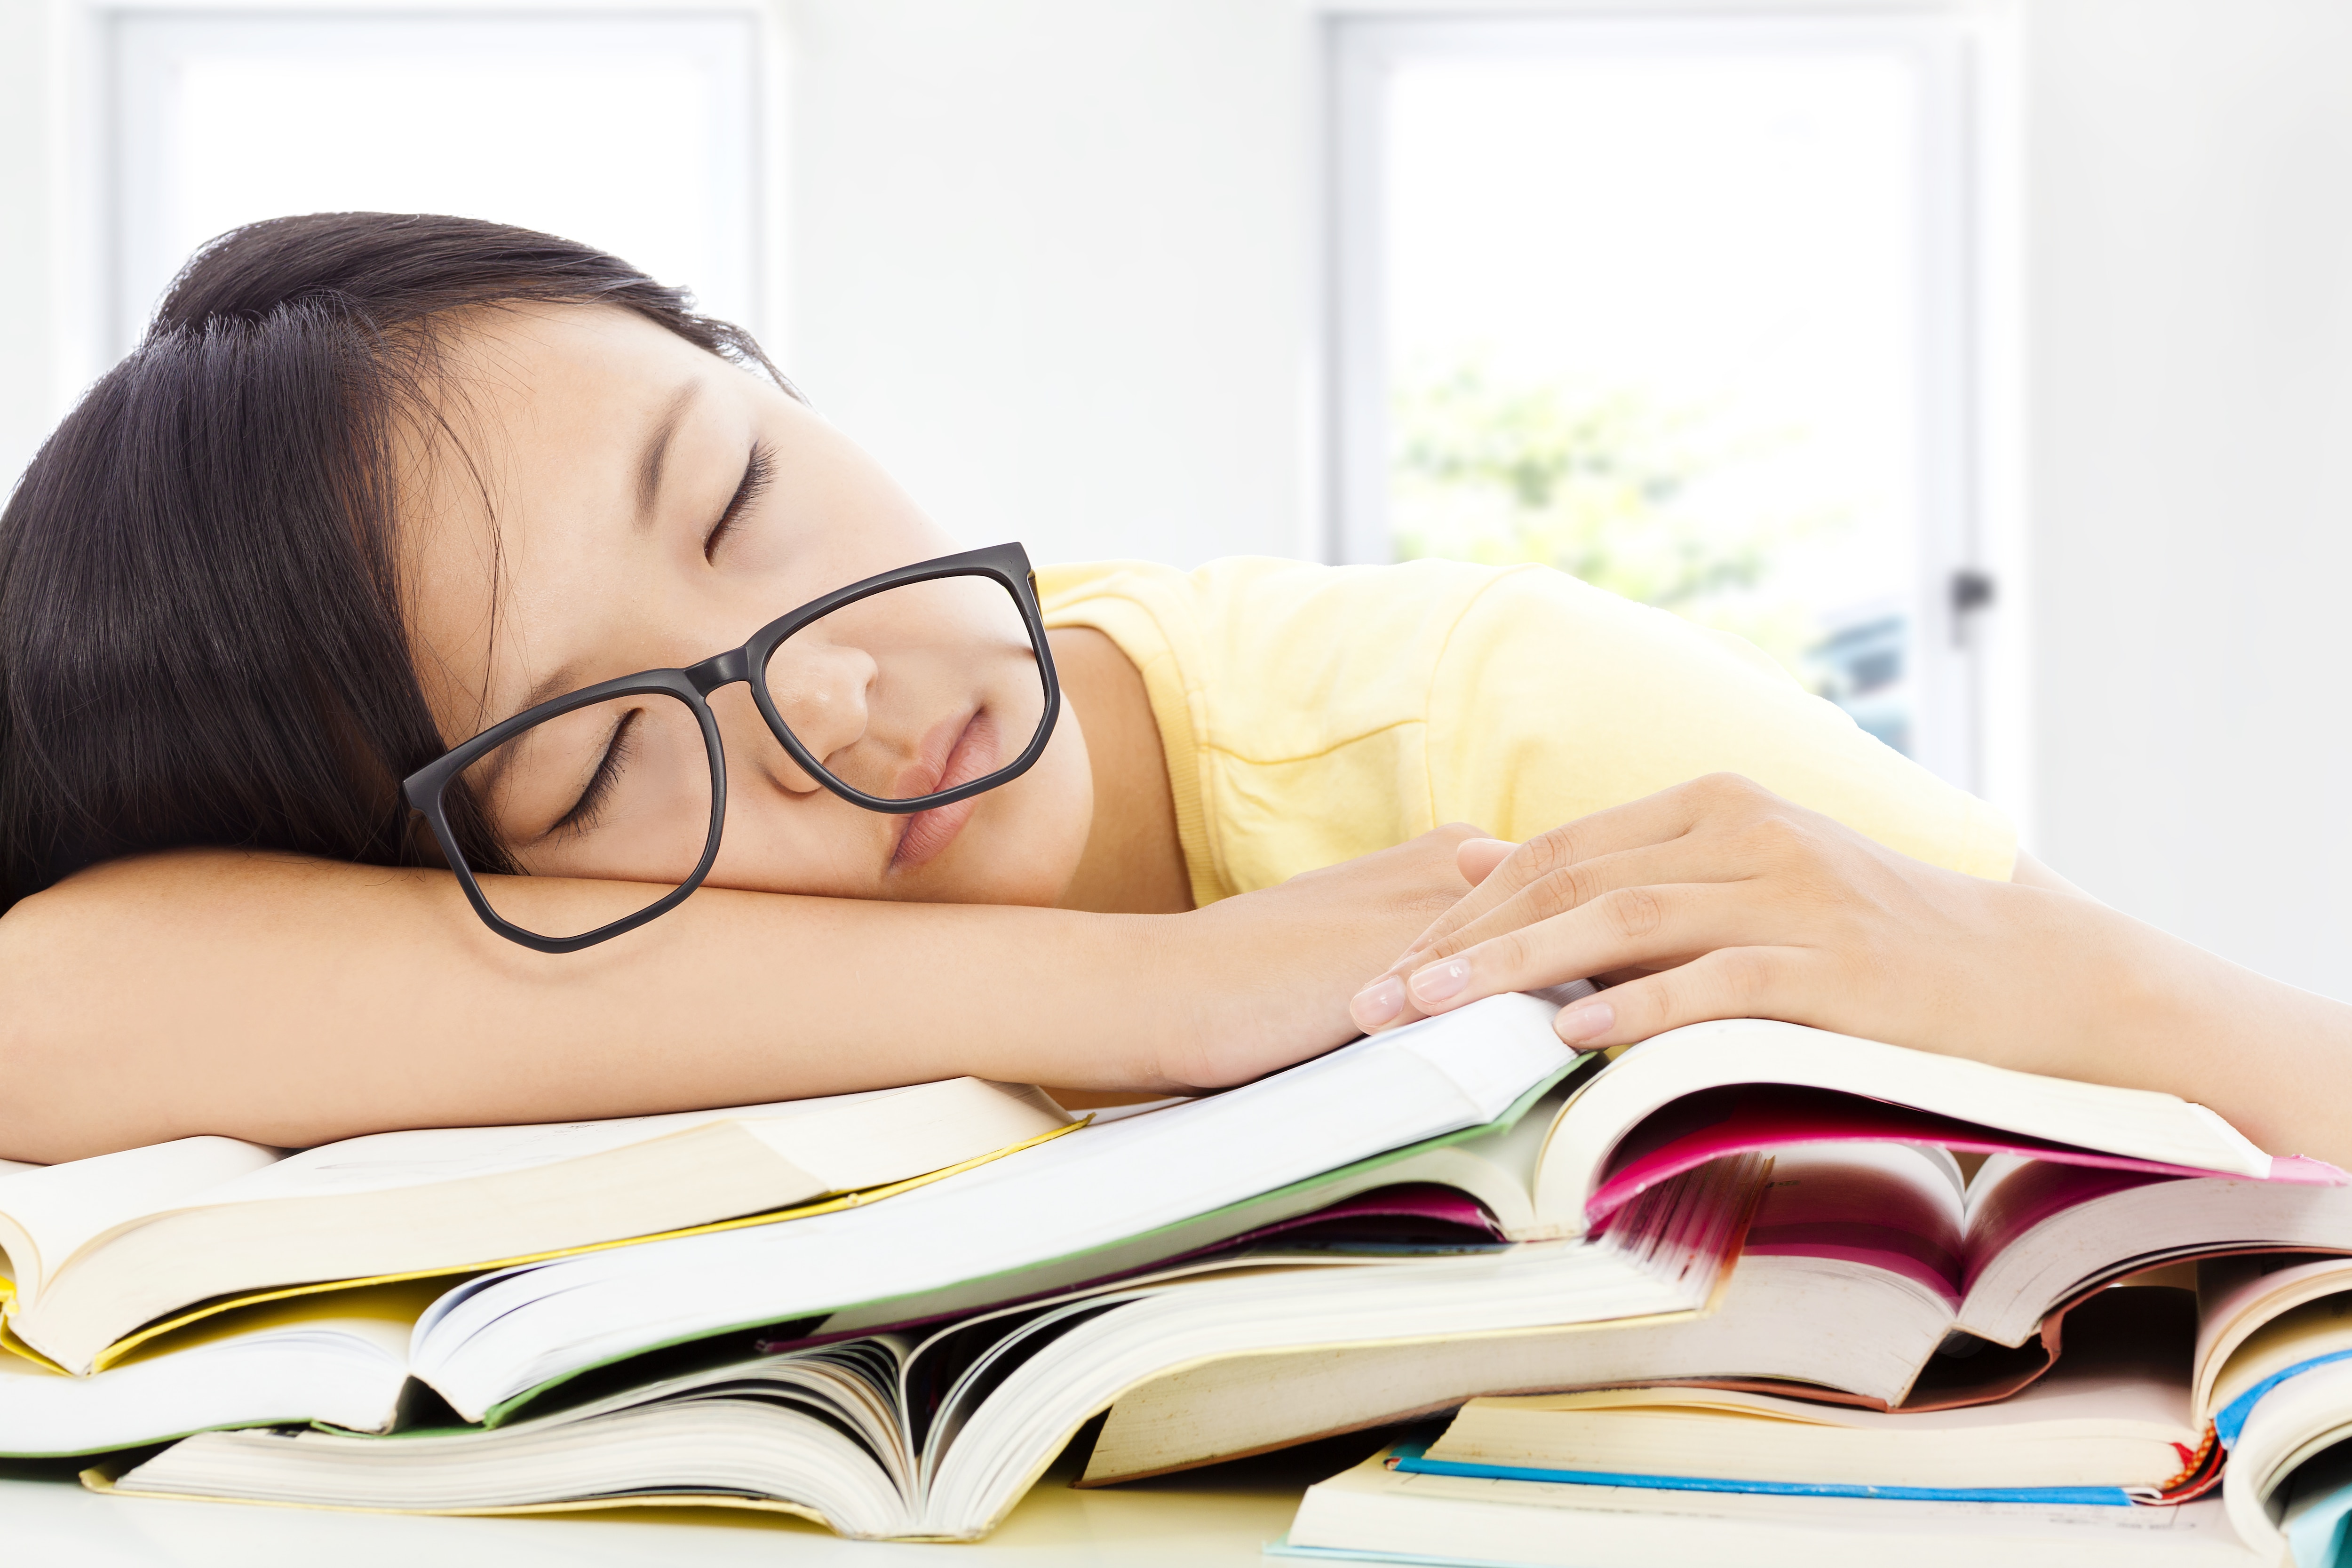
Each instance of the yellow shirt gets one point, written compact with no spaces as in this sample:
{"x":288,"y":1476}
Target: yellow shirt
{"x":1314,"y":713}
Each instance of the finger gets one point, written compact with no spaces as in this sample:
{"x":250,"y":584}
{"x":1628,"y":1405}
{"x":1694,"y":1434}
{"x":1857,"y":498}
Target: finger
{"x":1679,"y":860}
{"x":1654,"y":819}
{"x":1477,"y":858}
{"x":1380,"y":1004}
{"x":1385,"y":1001}
{"x":1729,"y":983}
{"x":1649,"y":926}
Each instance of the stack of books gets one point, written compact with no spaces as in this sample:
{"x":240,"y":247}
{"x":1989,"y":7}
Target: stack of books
{"x":1730,"y":1286}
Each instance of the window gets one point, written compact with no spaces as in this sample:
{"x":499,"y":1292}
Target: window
{"x":1686,"y":306}
{"x":635,"y":133}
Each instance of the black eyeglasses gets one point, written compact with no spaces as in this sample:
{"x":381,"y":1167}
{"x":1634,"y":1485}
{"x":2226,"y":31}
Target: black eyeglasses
{"x":902,"y":693}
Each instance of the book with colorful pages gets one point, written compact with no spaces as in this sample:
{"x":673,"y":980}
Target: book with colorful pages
{"x":2111,"y":1425}
{"x":1376,"y":1513}
{"x":1871,"y":1276}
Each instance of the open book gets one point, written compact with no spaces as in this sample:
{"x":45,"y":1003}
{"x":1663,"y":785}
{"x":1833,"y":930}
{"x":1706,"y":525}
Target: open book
{"x":514,"y":1332}
{"x":1862,"y":1264}
{"x":2110,"y":1425}
{"x":1114,"y":1197}
{"x":2286,"y":1435}
{"x":1696,"y":1093}
{"x":937,"y":1435}
{"x":1374,"y":1513}
{"x":1306,"y":1163}
{"x":100,"y":1250}
{"x":340,"y":1359}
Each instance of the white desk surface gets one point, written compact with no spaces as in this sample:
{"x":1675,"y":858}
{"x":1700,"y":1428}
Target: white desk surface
{"x":1221,"y":1517}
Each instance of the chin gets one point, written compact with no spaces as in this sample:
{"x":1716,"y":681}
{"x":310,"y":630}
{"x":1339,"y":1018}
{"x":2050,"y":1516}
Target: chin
{"x":1022,"y":847}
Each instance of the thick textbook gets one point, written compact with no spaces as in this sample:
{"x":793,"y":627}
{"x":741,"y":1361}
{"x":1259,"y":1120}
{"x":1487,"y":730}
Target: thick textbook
{"x":98,"y":1249}
{"x":340,"y":1359}
{"x":1375,"y":1514}
{"x":1862,"y":1264}
{"x":937,"y":1435}
{"x":2111,"y":1425}
{"x":1114,"y":1197}
{"x":1705,"y":1090}
{"x":1470,"y":1088}
{"x":2290,"y":1421}
{"x":492,"y":1343}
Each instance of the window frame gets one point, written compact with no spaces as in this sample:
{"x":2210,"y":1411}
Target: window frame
{"x":92,"y":211}
{"x":1969,"y":713}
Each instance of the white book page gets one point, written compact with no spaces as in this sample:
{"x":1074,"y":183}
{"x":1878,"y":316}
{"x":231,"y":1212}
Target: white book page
{"x":1097,"y":1186}
{"x":57,"y":1208}
{"x":426,"y":1156}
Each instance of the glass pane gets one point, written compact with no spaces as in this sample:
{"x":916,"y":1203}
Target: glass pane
{"x":617,"y":793}
{"x":1654,"y":315}
{"x":631,"y":132}
{"x":913,"y":690}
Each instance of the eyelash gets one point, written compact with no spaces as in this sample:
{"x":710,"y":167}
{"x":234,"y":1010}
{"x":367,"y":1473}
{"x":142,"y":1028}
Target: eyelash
{"x":581,"y":818}
{"x":758,"y":472}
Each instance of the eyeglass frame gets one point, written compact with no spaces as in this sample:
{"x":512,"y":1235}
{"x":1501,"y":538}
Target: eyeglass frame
{"x":424,"y":791}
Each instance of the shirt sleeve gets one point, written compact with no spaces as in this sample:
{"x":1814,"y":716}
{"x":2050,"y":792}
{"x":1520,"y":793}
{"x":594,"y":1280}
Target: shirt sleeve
{"x":1553,"y":700}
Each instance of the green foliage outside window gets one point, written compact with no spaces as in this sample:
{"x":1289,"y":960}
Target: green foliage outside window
{"x":1611,"y":487}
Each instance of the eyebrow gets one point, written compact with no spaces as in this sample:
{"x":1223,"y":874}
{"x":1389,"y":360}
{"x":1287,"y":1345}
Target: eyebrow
{"x":649,"y":477}
{"x":657,"y":454}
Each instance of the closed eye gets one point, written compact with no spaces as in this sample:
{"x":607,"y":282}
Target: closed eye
{"x":759,"y":470}
{"x":581,"y":818}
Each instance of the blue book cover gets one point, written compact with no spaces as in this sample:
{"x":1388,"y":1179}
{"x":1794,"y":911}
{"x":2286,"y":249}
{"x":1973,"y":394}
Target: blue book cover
{"x":1412,"y":1459}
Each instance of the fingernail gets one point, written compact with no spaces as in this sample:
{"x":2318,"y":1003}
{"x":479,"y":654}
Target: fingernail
{"x":1439,"y":980}
{"x":1589,"y":1022}
{"x":1378,"y":1003}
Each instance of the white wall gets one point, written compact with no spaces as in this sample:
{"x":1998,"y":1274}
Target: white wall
{"x":1051,"y":263}
{"x":2191,"y":286}
{"x":28,"y":310}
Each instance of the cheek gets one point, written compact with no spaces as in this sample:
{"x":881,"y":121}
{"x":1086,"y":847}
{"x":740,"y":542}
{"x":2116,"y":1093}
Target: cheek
{"x":819,"y":846}
{"x":1024,"y":845}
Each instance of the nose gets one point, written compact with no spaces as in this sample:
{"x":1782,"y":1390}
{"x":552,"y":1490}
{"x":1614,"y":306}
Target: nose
{"x":822,"y":690}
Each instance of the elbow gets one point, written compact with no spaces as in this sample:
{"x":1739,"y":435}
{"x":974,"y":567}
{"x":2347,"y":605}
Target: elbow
{"x":49,"y":1011}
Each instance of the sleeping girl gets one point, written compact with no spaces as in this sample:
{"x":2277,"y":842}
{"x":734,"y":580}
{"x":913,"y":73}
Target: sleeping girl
{"x":443,"y":679}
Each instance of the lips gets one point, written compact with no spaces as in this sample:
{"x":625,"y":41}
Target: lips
{"x":971,"y":755}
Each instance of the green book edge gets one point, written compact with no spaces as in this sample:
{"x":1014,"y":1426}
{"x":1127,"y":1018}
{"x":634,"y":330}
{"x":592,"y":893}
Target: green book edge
{"x":500,"y":1414}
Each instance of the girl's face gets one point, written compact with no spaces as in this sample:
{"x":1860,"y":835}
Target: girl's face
{"x":608,"y":498}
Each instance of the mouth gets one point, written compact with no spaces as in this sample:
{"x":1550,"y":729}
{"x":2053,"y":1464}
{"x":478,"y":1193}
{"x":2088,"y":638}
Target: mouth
{"x":971,"y":755}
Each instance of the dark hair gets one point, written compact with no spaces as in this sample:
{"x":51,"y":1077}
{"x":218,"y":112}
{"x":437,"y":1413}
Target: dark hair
{"x":201,"y":631}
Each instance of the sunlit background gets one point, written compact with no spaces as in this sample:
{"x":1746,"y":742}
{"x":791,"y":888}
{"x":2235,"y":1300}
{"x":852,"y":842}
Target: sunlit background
{"x":1986,"y":362}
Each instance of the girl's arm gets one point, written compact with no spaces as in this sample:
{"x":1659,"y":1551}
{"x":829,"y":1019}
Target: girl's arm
{"x":292,"y":1002}
{"x":1718,"y":900}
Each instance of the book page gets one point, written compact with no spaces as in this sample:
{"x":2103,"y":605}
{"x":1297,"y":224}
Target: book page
{"x":426,"y":1156}
{"x":2313,"y":1332}
{"x":2236,"y":1296}
{"x":53,"y":1209}
{"x":2011,"y":1194}
{"x":2139,"y":1128}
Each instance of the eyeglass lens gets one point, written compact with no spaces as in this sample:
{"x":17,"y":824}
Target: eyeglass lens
{"x":919,"y":688}
{"x":617,"y":793}
{"x":909,"y":692}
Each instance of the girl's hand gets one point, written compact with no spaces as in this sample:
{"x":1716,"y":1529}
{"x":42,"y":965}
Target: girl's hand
{"x":1719,"y":900}
{"x":1266,"y":975}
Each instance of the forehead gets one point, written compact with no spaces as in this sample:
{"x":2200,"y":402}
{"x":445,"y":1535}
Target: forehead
{"x":515,"y":482}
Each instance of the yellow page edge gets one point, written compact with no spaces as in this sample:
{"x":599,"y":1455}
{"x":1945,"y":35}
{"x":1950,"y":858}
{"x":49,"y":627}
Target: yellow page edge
{"x":102,"y":1478}
{"x":124,"y":1346}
